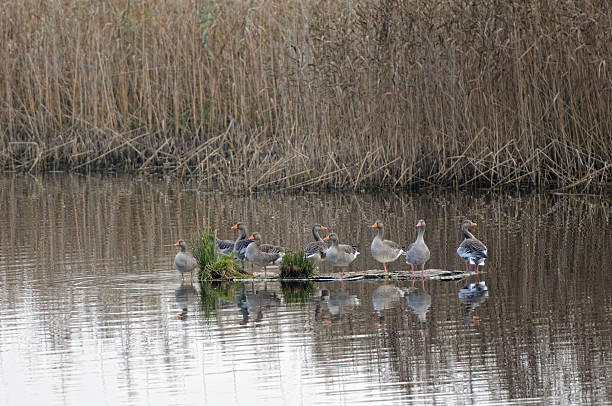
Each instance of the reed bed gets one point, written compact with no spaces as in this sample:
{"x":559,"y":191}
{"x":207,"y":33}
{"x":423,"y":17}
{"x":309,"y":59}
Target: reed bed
{"x":275,"y":94}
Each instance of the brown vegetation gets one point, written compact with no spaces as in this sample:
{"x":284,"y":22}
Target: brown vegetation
{"x":291,"y":94}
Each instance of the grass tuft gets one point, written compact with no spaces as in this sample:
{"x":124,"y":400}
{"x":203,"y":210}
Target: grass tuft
{"x":295,"y":265}
{"x":213,"y":267}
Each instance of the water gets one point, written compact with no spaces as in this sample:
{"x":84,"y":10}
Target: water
{"x":91,"y":311}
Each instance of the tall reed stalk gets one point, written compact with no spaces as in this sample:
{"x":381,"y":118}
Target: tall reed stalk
{"x":304,"y":94}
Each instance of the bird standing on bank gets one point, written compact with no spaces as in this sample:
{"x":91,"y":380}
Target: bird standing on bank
{"x":471,"y":250}
{"x":241,"y":243}
{"x":255,"y":255}
{"x":384,"y":250}
{"x":418,"y":252}
{"x":340,"y":254}
{"x":315,"y":250}
{"x":184,"y":261}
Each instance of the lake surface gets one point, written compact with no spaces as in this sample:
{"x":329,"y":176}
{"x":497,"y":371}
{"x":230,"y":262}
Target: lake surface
{"x":92,"y":312}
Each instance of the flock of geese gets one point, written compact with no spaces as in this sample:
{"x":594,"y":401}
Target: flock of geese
{"x":471,"y":250}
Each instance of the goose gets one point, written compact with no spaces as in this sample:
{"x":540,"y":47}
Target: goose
{"x":184,"y":261}
{"x":418,"y":252}
{"x":255,"y":255}
{"x":384,"y":250}
{"x":241,"y":243}
{"x":315,"y":250}
{"x":339,"y":254}
{"x":273,"y":249}
{"x":471,"y":249}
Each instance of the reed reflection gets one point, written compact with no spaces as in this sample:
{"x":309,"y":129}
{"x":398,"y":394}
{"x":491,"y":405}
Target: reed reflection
{"x":297,"y":291}
{"x":93,"y":271}
{"x":217,"y":295}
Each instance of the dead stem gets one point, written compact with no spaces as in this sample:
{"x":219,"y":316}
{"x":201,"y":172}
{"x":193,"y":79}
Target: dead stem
{"x":312,"y":94}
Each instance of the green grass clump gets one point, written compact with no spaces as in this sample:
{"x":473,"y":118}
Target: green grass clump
{"x":295,"y":265}
{"x":204,"y":249}
{"x":224,"y":268}
{"x":213,"y":267}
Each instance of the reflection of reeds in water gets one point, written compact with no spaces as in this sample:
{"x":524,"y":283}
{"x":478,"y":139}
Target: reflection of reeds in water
{"x":102,"y":231}
{"x":297,"y":291}
{"x":214,"y":294}
{"x":444,"y":93}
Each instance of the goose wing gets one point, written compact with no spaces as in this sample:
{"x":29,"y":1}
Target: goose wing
{"x":315,"y":247}
{"x":225,"y":246}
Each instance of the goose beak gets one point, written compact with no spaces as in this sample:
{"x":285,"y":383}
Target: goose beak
{"x":323,"y":228}
{"x":326,"y":238}
{"x":177,"y":244}
{"x":375,"y":225}
{"x":419,"y":224}
{"x":251,"y":238}
{"x":235,"y":226}
{"x":473,"y":224}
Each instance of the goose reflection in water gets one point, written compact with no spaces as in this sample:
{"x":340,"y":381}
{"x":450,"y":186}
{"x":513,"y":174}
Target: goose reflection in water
{"x":256,"y":303}
{"x":383,"y":298}
{"x":473,"y":295}
{"x":419,"y":302}
{"x":185,"y":295}
{"x":339,"y":303}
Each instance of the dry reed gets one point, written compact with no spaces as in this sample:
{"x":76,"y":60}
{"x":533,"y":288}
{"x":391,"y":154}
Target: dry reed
{"x":289,"y":94}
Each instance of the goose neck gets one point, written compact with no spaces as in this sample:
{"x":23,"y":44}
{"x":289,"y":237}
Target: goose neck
{"x":242,"y":235}
{"x":467,"y":233}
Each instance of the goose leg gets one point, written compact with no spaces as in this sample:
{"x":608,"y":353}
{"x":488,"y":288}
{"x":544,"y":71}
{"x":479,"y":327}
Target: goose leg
{"x":411,"y":270}
{"x":385,"y":266}
{"x":423,"y":270}
{"x":191,"y":277}
{"x":466,"y":267}
{"x":182,"y":277}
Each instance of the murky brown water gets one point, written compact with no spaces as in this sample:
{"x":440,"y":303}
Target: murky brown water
{"x":91,"y":311}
